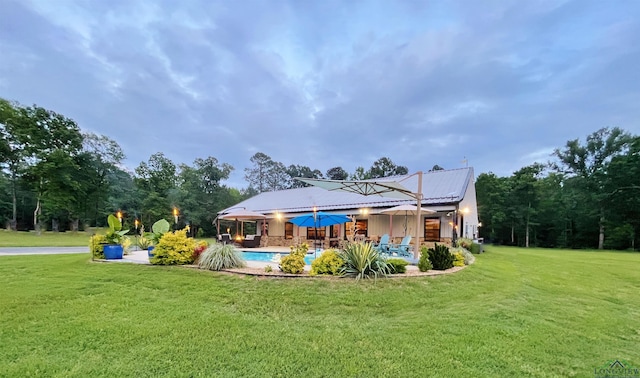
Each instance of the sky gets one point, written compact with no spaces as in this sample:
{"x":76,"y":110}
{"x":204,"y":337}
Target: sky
{"x":495,"y":85}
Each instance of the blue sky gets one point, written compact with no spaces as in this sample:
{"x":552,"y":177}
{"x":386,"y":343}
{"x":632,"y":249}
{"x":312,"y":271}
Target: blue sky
{"x":329,"y":83}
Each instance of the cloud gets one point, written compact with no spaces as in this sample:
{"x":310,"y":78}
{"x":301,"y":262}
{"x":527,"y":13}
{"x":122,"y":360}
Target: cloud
{"x":331,"y":83}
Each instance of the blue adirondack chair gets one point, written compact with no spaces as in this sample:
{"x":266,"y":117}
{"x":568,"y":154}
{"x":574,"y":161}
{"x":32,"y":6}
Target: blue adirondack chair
{"x":402,"y":249}
{"x":383,"y":245}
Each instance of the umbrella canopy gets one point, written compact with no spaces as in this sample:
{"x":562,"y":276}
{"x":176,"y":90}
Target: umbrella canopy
{"x":402,"y":210}
{"x":319,"y":219}
{"x":242,"y":214}
{"x":381,"y":188}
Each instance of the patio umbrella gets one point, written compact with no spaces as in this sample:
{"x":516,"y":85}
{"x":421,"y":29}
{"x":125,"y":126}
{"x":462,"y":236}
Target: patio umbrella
{"x":241,"y":214}
{"x":319,"y":219}
{"x":402,"y":209}
{"x":380,"y":187}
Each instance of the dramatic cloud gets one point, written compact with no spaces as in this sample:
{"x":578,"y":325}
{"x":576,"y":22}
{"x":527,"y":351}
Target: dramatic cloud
{"x":329,"y":83}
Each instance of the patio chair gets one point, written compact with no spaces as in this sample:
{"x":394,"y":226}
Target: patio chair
{"x":383,"y":245}
{"x":402,"y":249}
{"x":224,"y":238}
{"x":251,"y":241}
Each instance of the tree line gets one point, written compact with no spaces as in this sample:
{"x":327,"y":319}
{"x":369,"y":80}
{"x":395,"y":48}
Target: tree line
{"x":586,"y":196}
{"x":54,"y":176}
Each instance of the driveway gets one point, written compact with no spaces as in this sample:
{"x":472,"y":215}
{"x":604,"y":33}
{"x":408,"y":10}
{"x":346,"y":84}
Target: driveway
{"x":8,"y":251}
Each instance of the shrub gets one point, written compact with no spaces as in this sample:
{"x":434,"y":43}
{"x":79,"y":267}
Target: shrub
{"x":440,"y":257}
{"x":458,"y":258}
{"x":469,"y":258}
{"x":464,"y":243}
{"x":329,"y":263}
{"x":174,"y":248}
{"x":268,"y":269}
{"x":221,"y":256}
{"x":96,"y":243}
{"x":363,"y":261}
{"x":294,"y":262}
{"x":201,"y":246}
{"x":424,"y":264}
{"x":143,"y":242}
{"x":126,"y":244}
{"x":475,"y":248}
{"x":397,"y":266}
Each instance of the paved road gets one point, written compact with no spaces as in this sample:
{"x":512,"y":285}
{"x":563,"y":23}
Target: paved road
{"x":7,"y":251}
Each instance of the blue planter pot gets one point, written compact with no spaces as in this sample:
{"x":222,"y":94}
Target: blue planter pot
{"x":113,"y":252}
{"x":150,"y":251}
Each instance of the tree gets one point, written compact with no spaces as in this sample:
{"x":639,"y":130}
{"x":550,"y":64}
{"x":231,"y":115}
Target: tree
{"x":360,"y":174}
{"x":337,"y":173}
{"x":301,"y":171}
{"x":589,"y":162}
{"x":436,"y":168}
{"x":52,"y":137}
{"x":525,"y":195}
{"x":257,"y":176}
{"x":14,"y":138}
{"x":622,"y":190}
{"x":101,"y":157}
{"x":384,"y":167}
{"x":201,"y":194}
{"x":277,"y":177}
{"x":155,"y":181}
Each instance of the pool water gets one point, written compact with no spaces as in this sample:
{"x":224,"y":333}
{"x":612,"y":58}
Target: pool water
{"x":270,"y":256}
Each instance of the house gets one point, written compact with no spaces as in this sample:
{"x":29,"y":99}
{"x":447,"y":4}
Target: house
{"x":449,"y":195}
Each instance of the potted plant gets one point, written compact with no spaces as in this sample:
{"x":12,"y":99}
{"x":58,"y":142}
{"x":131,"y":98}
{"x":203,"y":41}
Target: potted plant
{"x":113,"y":248}
{"x":158,"y":229}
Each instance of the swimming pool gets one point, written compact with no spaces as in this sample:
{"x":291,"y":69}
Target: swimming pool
{"x":270,"y":256}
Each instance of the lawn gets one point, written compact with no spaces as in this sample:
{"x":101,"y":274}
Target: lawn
{"x":45,"y":239}
{"x":515,"y":312}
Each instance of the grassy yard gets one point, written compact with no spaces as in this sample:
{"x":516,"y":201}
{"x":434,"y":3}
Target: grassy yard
{"x":516,"y":312}
{"x":46,"y":239}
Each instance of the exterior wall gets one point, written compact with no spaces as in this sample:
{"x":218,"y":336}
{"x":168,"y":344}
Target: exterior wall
{"x":468,"y":227}
{"x":378,"y":225}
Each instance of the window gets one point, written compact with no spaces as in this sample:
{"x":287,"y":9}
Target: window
{"x":288,"y":230}
{"x":361,"y":228}
{"x":335,"y":231}
{"x":432,"y":229}
{"x":311,"y":233}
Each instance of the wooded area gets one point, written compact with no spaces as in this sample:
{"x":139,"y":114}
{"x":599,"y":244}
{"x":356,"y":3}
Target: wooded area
{"x":53,"y":176}
{"x":586,"y":196}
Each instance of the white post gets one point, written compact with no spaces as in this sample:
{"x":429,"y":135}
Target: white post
{"x":416,"y":251}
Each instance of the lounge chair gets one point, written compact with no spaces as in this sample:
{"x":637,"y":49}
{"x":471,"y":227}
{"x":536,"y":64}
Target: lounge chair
{"x":251,"y":241}
{"x":402,"y":249}
{"x":383,"y":245}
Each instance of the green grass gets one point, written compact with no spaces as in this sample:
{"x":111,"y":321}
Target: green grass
{"x":515,"y":312}
{"x":45,"y":239}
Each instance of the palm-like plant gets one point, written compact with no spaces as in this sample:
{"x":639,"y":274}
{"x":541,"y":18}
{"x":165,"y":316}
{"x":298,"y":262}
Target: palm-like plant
{"x":221,"y":256}
{"x":363,"y":261}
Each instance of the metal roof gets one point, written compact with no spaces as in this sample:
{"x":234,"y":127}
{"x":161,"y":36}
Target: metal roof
{"x":438,"y":188}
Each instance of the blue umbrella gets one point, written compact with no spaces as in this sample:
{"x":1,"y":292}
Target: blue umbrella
{"x":319,"y":219}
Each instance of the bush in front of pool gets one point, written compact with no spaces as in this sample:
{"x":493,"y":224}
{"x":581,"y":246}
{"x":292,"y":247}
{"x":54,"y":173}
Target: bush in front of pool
{"x":294,"y":262}
{"x":329,"y":263}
